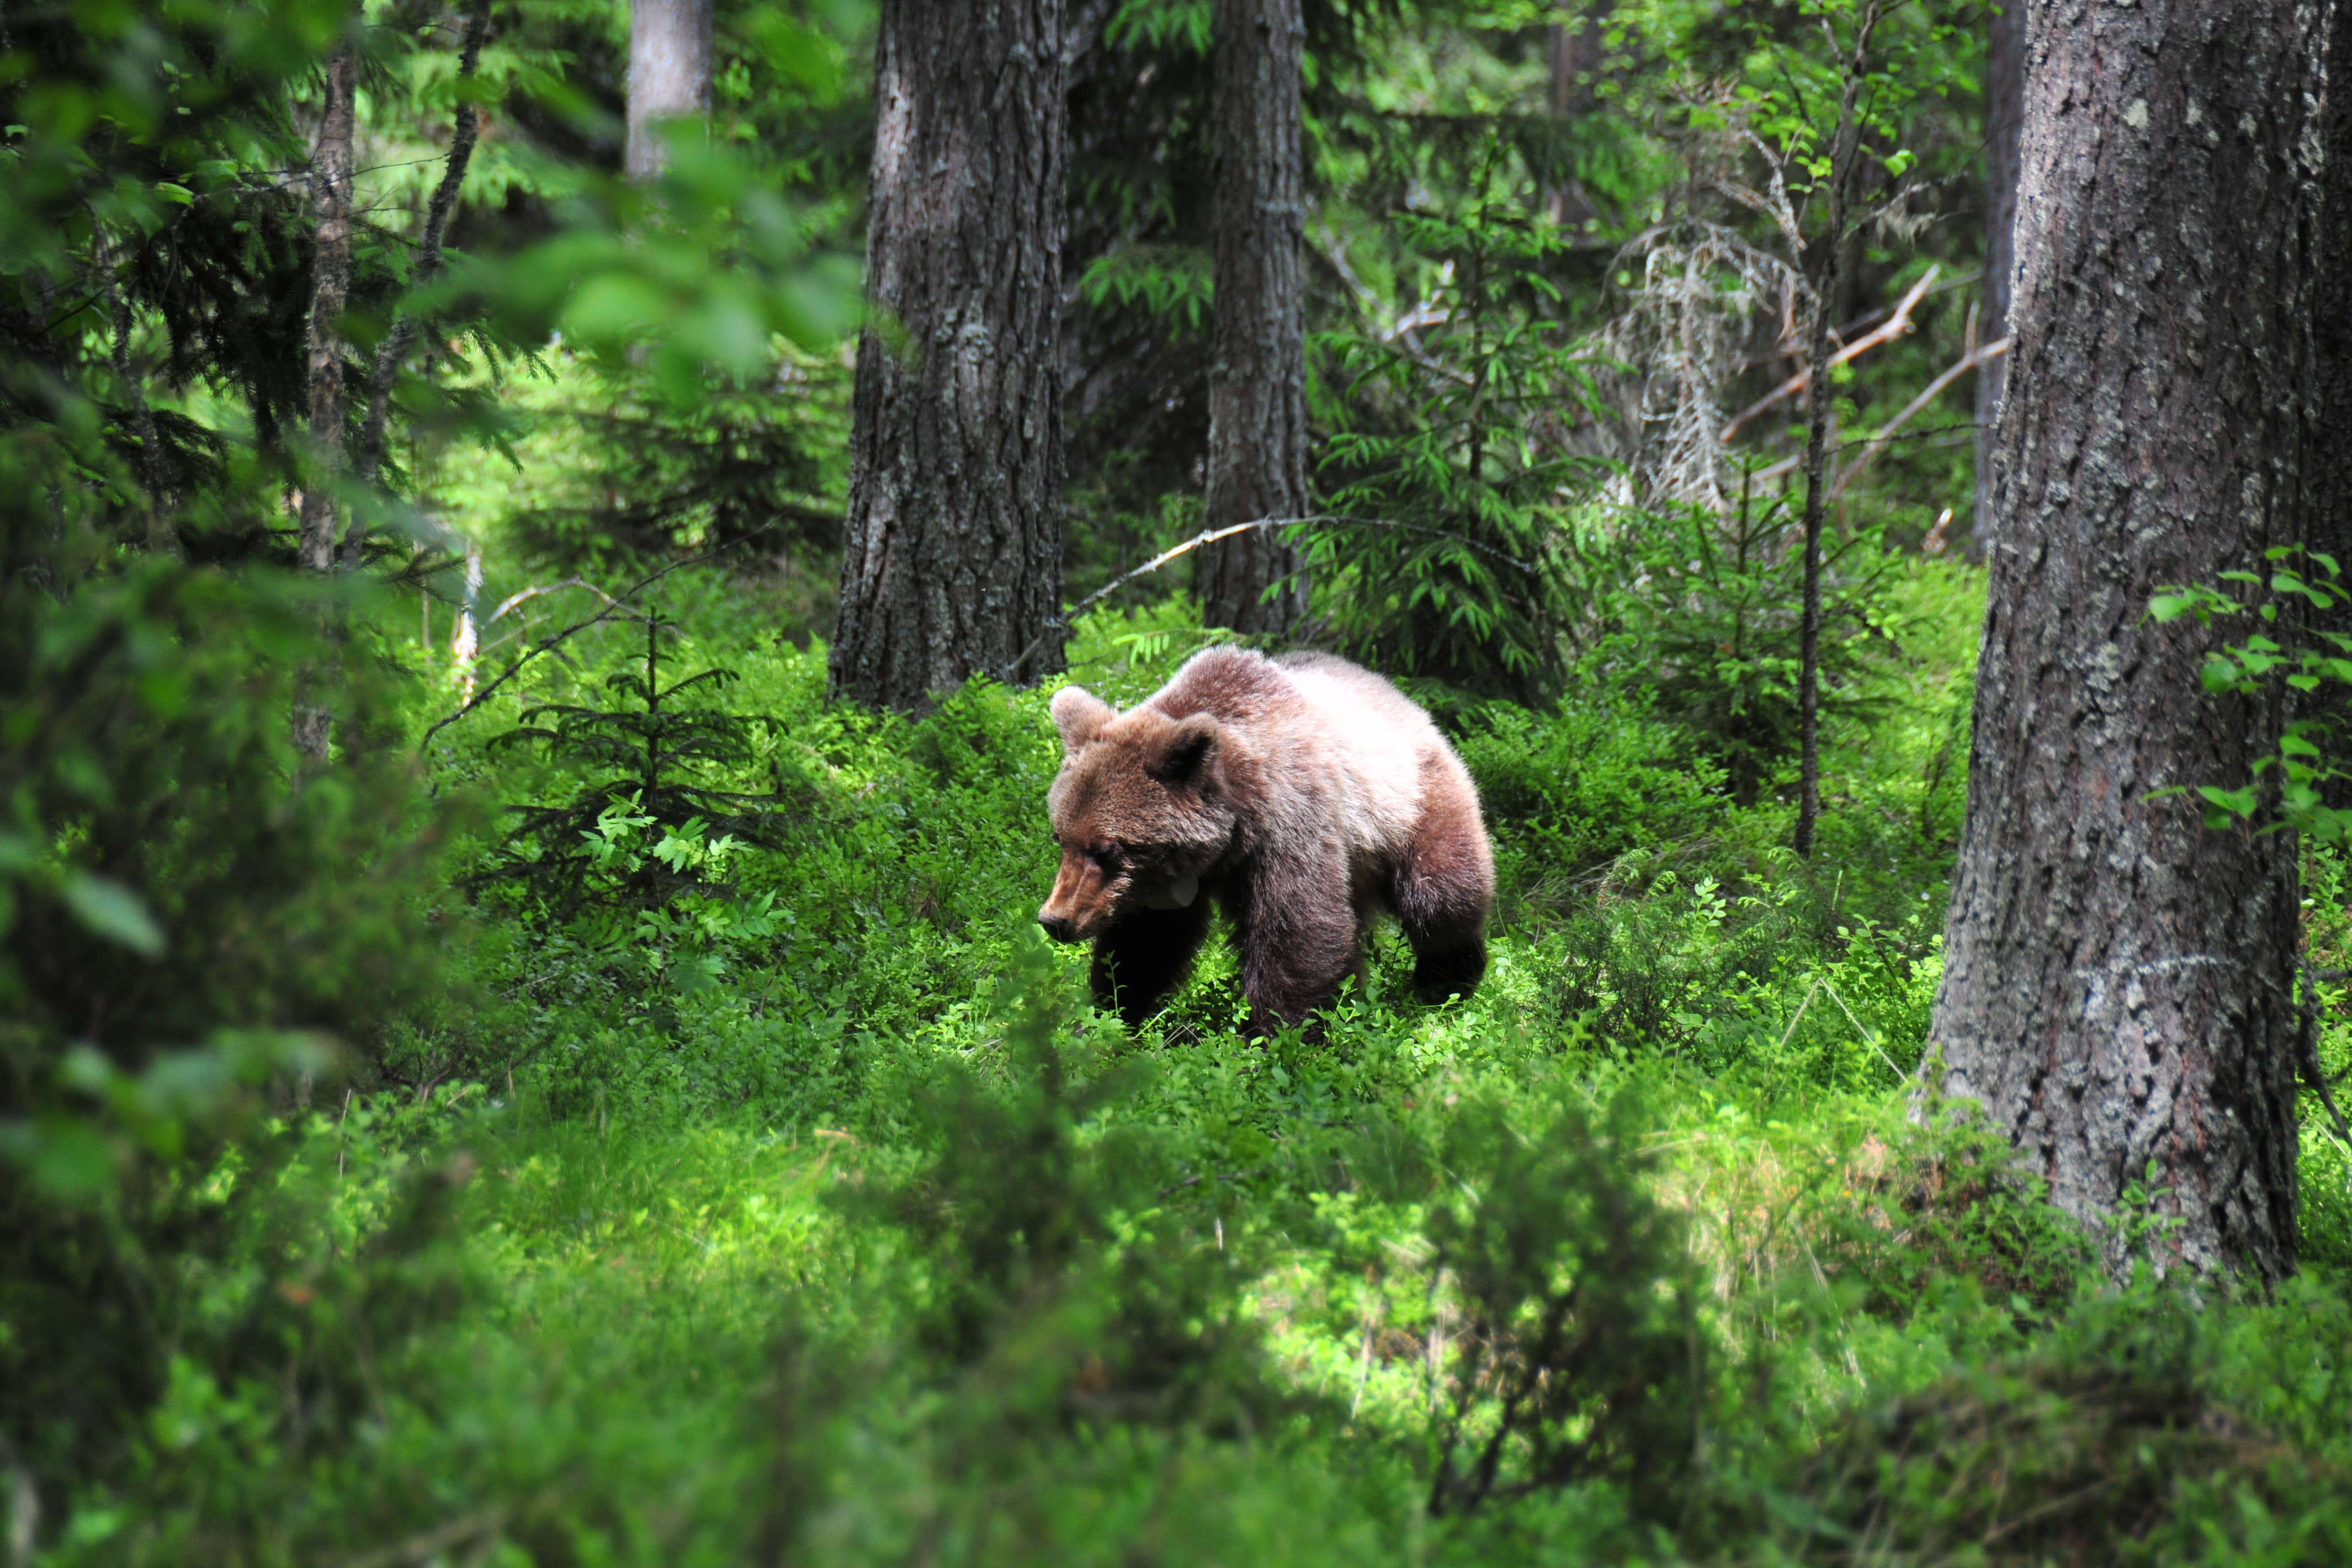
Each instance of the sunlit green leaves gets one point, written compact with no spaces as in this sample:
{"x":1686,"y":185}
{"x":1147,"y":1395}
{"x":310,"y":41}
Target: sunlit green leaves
{"x":2291,"y":785}
{"x":112,"y":910}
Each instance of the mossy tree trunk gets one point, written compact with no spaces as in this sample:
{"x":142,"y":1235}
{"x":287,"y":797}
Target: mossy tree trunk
{"x":2119,"y":982}
{"x":1258,"y":372}
{"x":953,"y":557}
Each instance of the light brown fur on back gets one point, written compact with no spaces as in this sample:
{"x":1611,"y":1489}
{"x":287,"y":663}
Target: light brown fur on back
{"x":1305,"y":794}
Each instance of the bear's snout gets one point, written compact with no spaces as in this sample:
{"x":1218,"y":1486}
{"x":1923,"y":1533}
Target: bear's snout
{"x":1083,"y":899}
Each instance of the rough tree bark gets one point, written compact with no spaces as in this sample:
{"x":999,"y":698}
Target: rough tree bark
{"x":2004,"y":112}
{"x":330,"y":279}
{"x":2117,"y":988}
{"x":2330,"y":528}
{"x":1258,"y":372}
{"x":952,"y":564}
{"x":670,"y":76}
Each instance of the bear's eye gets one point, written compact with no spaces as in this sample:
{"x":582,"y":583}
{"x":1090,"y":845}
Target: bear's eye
{"x":1104,"y":855}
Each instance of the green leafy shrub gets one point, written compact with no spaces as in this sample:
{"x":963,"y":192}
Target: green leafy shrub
{"x":2114,"y":1443}
{"x":192,"y":930}
{"x":1580,"y":1358}
{"x":1570,"y":788}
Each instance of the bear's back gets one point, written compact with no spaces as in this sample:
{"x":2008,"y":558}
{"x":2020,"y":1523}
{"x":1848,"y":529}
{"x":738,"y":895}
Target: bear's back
{"x":1338,"y":740}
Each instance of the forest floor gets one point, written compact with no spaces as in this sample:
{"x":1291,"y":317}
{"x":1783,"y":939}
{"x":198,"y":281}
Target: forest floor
{"x":819,"y":1222}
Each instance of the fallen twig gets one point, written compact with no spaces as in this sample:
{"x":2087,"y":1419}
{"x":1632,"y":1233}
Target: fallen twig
{"x":515,"y":601}
{"x":1068,"y":618}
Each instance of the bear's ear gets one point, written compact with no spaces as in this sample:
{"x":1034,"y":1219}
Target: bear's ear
{"x":1181,"y":753}
{"x":1078,"y":714}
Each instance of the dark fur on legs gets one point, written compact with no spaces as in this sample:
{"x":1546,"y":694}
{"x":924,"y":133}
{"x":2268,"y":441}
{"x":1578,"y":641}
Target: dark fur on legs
{"x":1145,"y":955}
{"x":1441,"y":893}
{"x":1299,"y":937}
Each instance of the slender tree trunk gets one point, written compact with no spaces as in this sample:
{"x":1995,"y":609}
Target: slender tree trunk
{"x":952,"y":564}
{"x":2004,"y":112}
{"x":392,"y":354}
{"x":331,"y":279}
{"x":1257,"y":373}
{"x":1572,"y":55}
{"x":2119,"y":978}
{"x":670,"y":57}
{"x":1819,"y":399}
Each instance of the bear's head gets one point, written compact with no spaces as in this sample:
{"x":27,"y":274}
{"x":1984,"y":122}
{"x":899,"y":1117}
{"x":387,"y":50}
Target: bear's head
{"x":1140,"y":810}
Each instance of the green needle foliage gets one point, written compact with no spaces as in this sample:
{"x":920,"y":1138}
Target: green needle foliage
{"x":646,"y":826}
{"x":1450,"y":456}
{"x":1704,"y":612}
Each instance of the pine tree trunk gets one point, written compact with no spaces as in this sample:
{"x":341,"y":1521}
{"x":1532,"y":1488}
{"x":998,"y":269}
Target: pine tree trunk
{"x":330,"y":279}
{"x":670,"y":57}
{"x":2004,"y":92}
{"x":952,"y":564}
{"x":1258,"y":374}
{"x":2117,"y":989}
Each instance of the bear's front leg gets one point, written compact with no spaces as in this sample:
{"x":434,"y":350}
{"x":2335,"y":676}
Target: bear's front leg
{"x":1299,"y":936}
{"x":1143,"y":957}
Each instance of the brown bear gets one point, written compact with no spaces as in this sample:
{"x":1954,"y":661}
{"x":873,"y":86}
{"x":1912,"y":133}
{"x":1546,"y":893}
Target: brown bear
{"x":1304,"y":794}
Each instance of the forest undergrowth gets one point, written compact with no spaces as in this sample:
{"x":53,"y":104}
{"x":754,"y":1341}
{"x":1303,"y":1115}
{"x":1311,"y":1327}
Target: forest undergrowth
{"x":770,"y":1193}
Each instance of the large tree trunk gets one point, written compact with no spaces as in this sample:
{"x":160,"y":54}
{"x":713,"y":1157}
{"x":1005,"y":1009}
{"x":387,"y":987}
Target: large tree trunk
{"x":330,"y":280}
{"x":1257,"y":373}
{"x":953,"y":557}
{"x":669,"y":75}
{"x":2119,"y":978}
{"x":2004,"y":112}
{"x":2330,"y":480}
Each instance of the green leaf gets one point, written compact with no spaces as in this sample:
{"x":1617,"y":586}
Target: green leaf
{"x":2237,"y":802}
{"x":109,"y":909}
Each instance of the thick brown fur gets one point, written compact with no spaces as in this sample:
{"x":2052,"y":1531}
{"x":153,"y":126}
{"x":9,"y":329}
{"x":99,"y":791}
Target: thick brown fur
{"x":1302,"y":793}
